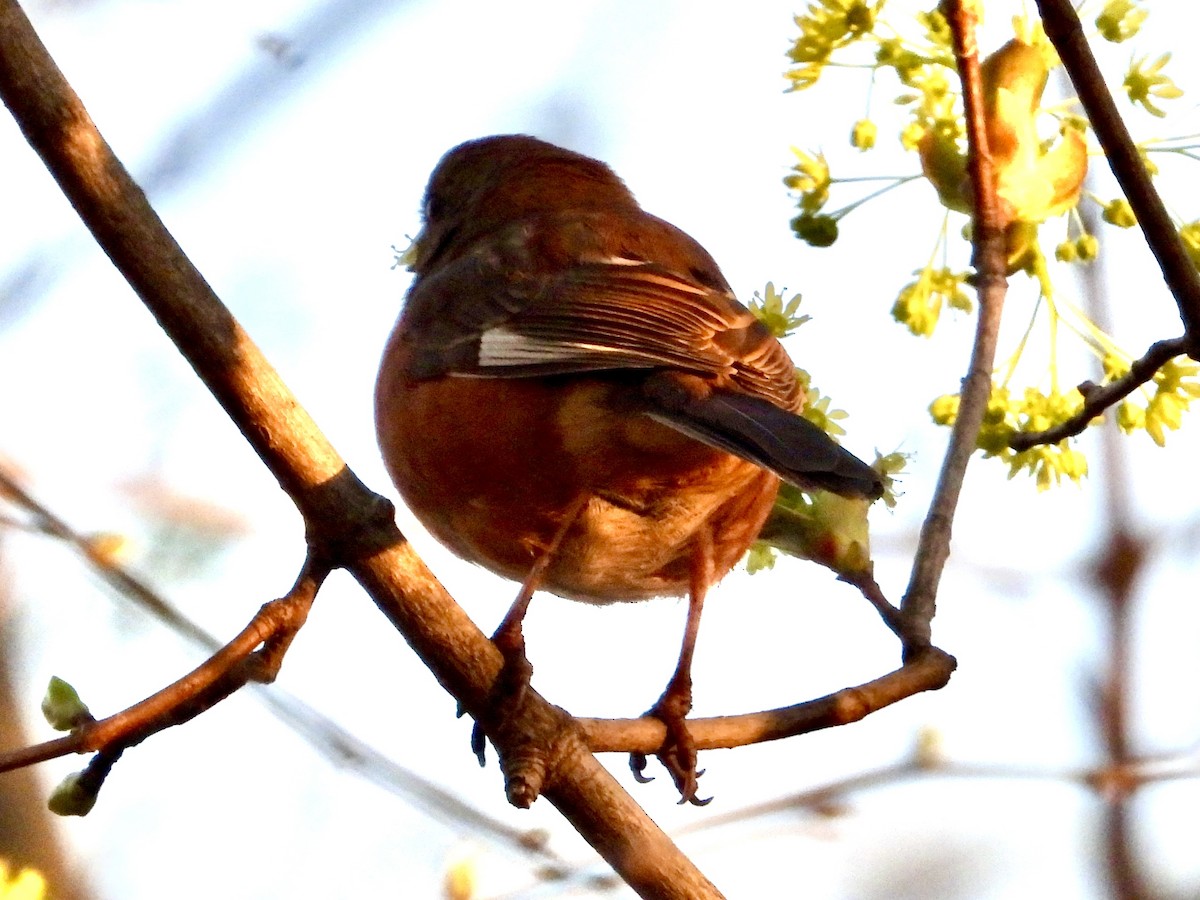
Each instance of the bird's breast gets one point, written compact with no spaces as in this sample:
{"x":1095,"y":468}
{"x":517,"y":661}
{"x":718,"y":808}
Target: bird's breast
{"x":490,"y":465}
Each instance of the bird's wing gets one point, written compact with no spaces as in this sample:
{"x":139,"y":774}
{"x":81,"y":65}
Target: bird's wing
{"x":482,"y":316}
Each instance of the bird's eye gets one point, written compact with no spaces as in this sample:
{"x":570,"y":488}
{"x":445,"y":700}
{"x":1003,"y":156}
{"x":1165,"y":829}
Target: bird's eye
{"x":434,"y":207}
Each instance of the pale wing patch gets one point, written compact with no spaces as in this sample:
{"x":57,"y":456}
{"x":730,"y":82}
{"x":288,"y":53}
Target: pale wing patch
{"x":616,"y":261}
{"x":502,"y":347}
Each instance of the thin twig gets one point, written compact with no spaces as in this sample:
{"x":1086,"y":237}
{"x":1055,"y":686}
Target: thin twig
{"x":1065,"y":32}
{"x":870,"y":589}
{"x":45,"y":521}
{"x":340,"y":747}
{"x":929,"y":672}
{"x":335,"y":743}
{"x":1096,"y":399}
{"x":234,"y":665}
{"x":933,"y":549}
{"x":833,"y":792}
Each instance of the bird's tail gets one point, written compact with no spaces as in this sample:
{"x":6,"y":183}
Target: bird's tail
{"x":759,"y":431}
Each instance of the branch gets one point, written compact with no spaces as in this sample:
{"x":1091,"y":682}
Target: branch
{"x":1096,"y":399}
{"x":336,"y":744}
{"x":873,"y":593}
{"x":346,"y":524}
{"x":924,"y":670}
{"x":933,"y":548}
{"x":1062,"y":27}
{"x":254,"y":655}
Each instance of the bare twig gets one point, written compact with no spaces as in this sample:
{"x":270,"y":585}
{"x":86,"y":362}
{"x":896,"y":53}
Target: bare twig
{"x":1096,"y":399}
{"x":1063,"y":29}
{"x":833,"y":793}
{"x":920,"y":599}
{"x":339,"y":746}
{"x":870,"y":589}
{"x":254,"y":655}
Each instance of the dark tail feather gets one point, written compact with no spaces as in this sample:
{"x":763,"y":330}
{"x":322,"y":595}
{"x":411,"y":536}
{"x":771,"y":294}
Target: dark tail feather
{"x":757,"y":430}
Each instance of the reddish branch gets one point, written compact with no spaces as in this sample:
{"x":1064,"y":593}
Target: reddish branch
{"x":346,"y":524}
{"x":1064,"y":30}
{"x":925,"y":670}
{"x":335,"y":743}
{"x":933,"y":549}
{"x":254,"y":655}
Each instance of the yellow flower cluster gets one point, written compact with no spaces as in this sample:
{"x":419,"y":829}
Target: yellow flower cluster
{"x":1145,"y":80}
{"x":1120,"y":20}
{"x":1032,"y":411}
{"x":1039,"y":177}
{"x":1176,"y":385}
{"x":810,"y":177}
{"x":778,"y":315}
{"x":919,"y":305}
{"x":782,"y":320}
{"x":821,"y":526}
{"x":827,"y":26}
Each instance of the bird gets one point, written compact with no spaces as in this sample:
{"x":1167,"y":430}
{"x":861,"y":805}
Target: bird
{"x":573,"y":398}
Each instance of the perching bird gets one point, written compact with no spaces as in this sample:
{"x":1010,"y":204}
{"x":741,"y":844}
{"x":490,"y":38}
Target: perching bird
{"x":573,"y":398}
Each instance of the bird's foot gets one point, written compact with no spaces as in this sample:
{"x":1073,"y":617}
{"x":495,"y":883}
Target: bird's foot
{"x":678,"y":751}
{"x":510,"y":687}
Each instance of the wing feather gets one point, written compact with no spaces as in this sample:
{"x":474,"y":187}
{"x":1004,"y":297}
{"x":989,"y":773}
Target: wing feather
{"x":497,"y":312}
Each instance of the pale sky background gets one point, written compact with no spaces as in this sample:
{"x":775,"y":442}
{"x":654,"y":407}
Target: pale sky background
{"x":287,"y":177}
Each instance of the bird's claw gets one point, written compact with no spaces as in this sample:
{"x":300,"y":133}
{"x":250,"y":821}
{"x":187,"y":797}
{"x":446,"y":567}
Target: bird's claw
{"x":508,"y":693}
{"x":637,"y":765}
{"x":677,"y":754}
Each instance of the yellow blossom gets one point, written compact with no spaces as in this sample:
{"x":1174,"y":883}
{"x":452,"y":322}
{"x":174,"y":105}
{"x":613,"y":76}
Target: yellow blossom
{"x":810,"y":176}
{"x":1145,"y":80}
{"x":1118,"y":212}
{"x":862,"y":136}
{"x":1120,"y":20}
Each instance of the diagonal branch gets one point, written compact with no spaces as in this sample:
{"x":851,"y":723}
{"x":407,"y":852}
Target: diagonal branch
{"x":1099,"y":398}
{"x":349,"y":526}
{"x":336,"y":744}
{"x":254,"y":655}
{"x":1062,"y":27}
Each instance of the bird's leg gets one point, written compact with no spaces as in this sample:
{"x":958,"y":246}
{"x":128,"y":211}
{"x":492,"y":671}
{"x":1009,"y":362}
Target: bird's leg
{"x":678,"y":751}
{"x":509,"y":636}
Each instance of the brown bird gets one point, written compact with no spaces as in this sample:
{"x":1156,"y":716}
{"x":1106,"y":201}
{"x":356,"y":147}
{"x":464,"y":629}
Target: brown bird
{"x":573,"y":398}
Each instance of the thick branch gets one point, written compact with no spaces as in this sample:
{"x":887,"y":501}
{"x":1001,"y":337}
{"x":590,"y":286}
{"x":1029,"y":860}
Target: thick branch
{"x":1063,"y":29}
